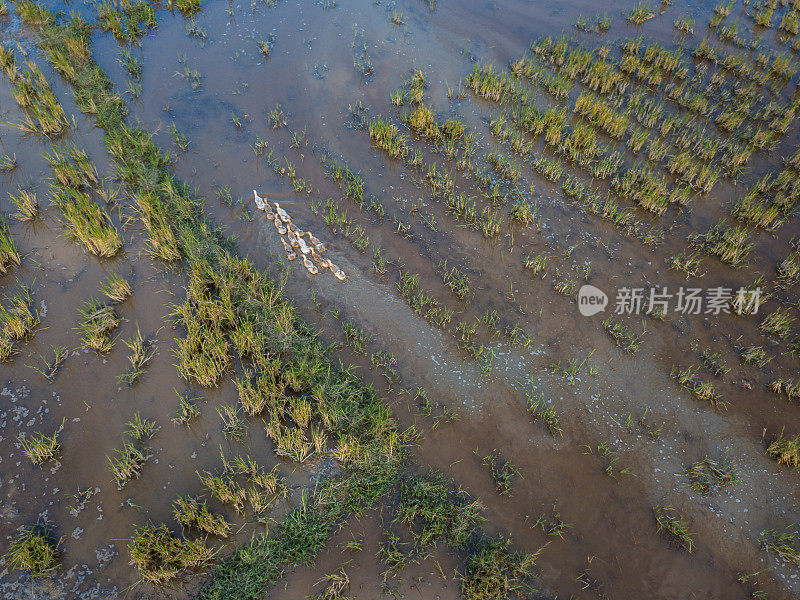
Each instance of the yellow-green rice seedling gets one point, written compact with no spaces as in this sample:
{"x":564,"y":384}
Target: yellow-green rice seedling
{"x":116,"y":288}
{"x":623,"y":336}
{"x":86,"y":221}
{"x":26,"y":203}
{"x":684,"y":25}
{"x":789,"y":269}
{"x":225,"y":489}
{"x":494,"y":571}
{"x":688,"y":263}
{"x":141,"y":429}
{"x":503,"y":472}
{"x":8,"y":162}
{"x":18,"y":315}
{"x":187,"y":410}
{"x":39,"y":447}
{"x":126,"y":464}
{"x":755,"y":355}
{"x":669,"y":521}
{"x":790,"y":22}
{"x":456,"y":280}
{"x":44,"y":114}
{"x":142,"y":353}
{"x":34,"y":551}
{"x":9,"y":254}
{"x":778,"y":323}
{"x":730,"y":243}
{"x":640,"y":13}
{"x":707,"y":475}
{"x":233,"y":425}
{"x":98,"y":321}
{"x":192,"y":513}
{"x":388,"y":138}
{"x":702,"y":390}
{"x":783,"y":543}
{"x":160,"y":556}
{"x":785,"y":450}
{"x":436,"y":511}
{"x":714,"y":362}
{"x":336,"y":584}
{"x":789,"y":387}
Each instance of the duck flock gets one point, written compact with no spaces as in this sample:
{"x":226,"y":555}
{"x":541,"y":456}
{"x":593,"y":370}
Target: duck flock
{"x":309,"y":251}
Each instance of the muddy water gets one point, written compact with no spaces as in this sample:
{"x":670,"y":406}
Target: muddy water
{"x":310,"y":74}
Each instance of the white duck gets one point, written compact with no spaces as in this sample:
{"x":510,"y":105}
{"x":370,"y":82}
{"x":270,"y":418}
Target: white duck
{"x":312,"y":268}
{"x":286,"y":246}
{"x":323,"y":262}
{"x":293,"y":240}
{"x":260,"y":204}
{"x":295,"y":230}
{"x":282,"y":213}
{"x":319,"y":246}
{"x":291,"y":255}
{"x":303,"y":247}
{"x":339,"y":275}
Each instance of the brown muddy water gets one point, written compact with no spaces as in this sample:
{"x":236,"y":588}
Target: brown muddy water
{"x":610,"y":547}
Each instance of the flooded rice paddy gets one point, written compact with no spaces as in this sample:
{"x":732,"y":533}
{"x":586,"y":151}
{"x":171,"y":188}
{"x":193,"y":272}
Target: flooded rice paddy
{"x":469,"y":166}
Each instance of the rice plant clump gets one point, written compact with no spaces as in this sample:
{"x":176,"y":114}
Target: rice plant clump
{"x":707,"y":475}
{"x":192,"y":513}
{"x":142,"y":353}
{"x":785,"y":450}
{"x":97,"y":323}
{"x":9,"y":254}
{"x":435,"y":511}
{"x":494,"y":572}
{"x":39,"y":447}
{"x":116,"y":288}
{"x":187,"y":410}
{"x":783,"y":543}
{"x":640,"y":13}
{"x":34,"y":551}
{"x":161,"y":556}
{"x":26,"y":203}
{"x":668,"y":520}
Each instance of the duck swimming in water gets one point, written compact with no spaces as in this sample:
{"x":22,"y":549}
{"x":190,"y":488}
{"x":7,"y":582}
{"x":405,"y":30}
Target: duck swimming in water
{"x":291,"y":255}
{"x":339,"y":275}
{"x":312,"y":268}
{"x":294,"y":229}
{"x":294,"y":241}
{"x":303,"y":247}
{"x":286,"y":246}
{"x":319,"y":246}
{"x":323,"y":262}
{"x":260,"y":204}
{"x":282,"y":213}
